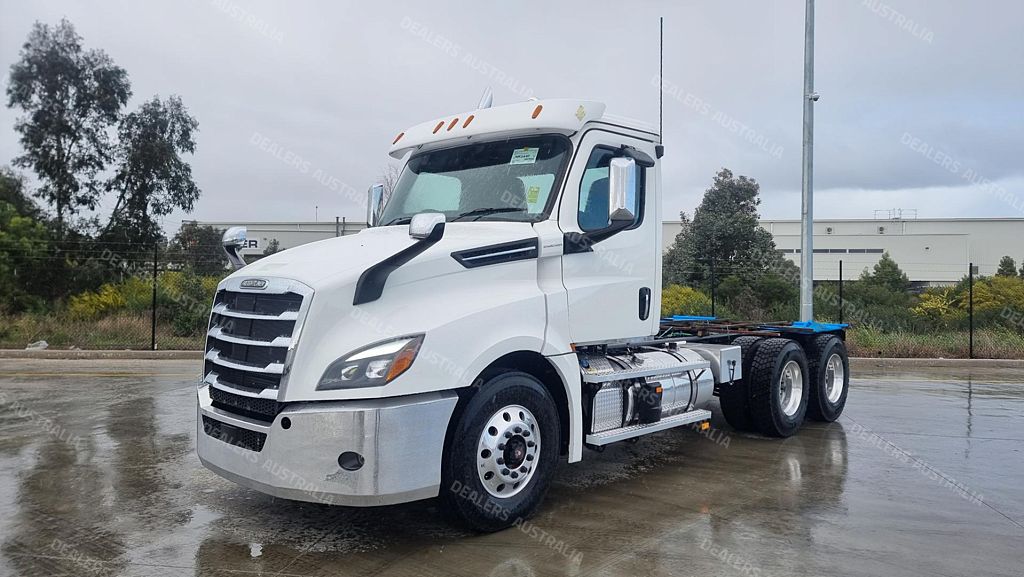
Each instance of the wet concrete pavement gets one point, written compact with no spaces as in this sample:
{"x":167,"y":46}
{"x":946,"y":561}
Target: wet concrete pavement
{"x":924,"y":475}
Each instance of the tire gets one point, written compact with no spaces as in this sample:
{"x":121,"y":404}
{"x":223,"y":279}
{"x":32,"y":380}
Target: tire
{"x":826,"y":357}
{"x":779,"y":383}
{"x":509,"y":400}
{"x":734,"y":399}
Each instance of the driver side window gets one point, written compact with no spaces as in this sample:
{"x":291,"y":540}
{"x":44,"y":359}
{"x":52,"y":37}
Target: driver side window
{"x":593,"y":197}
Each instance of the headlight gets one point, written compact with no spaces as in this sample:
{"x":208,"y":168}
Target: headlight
{"x":372,"y":366}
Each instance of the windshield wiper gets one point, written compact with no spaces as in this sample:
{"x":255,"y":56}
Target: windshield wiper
{"x":479,"y":212}
{"x":399,"y":220}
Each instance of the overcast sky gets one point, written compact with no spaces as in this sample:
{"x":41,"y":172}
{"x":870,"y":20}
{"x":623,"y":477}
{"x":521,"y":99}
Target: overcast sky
{"x":922,"y":101}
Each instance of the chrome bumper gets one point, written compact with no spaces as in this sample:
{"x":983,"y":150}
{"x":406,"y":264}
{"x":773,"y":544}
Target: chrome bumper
{"x":400,"y":440}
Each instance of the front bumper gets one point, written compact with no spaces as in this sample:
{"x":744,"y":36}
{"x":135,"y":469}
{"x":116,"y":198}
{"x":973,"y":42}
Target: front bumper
{"x":400,"y":439}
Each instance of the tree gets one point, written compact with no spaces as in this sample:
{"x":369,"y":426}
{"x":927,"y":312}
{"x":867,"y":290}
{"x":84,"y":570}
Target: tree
{"x":151,"y":178}
{"x":70,"y":97}
{"x":198,"y":248}
{"x":13,"y":192}
{"x":1007,"y":267}
{"x":725,"y":234}
{"x":24,"y":246}
{"x":272,"y":247}
{"x":887,"y":274}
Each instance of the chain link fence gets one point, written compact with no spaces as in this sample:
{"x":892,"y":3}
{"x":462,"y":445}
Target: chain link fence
{"x":96,"y":295}
{"x":102,"y":295}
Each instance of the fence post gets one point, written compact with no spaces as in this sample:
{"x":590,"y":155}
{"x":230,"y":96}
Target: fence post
{"x":152,"y":333}
{"x":337,"y":226}
{"x":840,"y":291}
{"x":712,"y":287}
{"x":970,"y":309}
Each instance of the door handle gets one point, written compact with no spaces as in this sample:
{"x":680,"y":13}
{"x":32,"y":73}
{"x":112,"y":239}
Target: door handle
{"x":645,"y":303}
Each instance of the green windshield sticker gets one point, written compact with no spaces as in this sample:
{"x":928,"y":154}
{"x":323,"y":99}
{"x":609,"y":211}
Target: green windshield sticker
{"x":533,"y":194}
{"x":524,"y":155}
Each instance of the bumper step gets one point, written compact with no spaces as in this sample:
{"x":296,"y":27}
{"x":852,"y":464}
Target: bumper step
{"x":621,"y":434}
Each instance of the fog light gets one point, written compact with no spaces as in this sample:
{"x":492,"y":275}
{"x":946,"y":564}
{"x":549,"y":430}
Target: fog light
{"x":350,"y":461}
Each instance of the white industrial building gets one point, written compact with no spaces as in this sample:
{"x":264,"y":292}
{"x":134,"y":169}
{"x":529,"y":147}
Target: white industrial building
{"x":932,"y":251}
{"x":929,"y":250}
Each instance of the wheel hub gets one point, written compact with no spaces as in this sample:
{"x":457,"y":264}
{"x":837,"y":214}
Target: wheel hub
{"x":791,"y":388}
{"x":507,"y":451}
{"x":835,"y":378}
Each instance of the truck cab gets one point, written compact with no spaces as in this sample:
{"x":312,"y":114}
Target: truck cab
{"x":500,"y":313}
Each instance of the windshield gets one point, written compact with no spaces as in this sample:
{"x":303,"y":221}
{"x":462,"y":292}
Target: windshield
{"x":510,"y":180}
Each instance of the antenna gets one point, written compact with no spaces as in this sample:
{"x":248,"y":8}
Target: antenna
{"x":661,"y":79}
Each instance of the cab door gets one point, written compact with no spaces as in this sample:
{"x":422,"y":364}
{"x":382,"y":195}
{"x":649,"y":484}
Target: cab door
{"x":612,"y":284}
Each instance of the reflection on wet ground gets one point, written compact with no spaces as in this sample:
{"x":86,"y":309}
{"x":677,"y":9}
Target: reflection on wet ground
{"x":922,"y":476}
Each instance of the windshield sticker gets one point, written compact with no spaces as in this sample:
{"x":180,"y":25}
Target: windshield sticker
{"x":533,"y":194}
{"x":524,"y":155}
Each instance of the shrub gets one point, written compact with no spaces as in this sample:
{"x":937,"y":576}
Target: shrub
{"x":683,"y":300}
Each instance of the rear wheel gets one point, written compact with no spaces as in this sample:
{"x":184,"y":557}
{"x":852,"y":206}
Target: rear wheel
{"x":778,"y":382}
{"x":734,"y":398}
{"x":502,"y":453}
{"x":829,"y":367}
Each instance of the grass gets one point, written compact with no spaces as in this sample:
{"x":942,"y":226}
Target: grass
{"x":995,"y":343}
{"x":121,"y":331}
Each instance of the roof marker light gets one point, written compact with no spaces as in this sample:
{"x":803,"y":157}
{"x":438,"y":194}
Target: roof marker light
{"x":397,"y":138}
{"x":468,"y":120}
{"x":438,"y":127}
{"x":536,"y":111}
{"x":452,"y":124}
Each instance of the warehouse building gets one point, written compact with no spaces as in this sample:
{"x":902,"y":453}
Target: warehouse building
{"x":932,"y":251}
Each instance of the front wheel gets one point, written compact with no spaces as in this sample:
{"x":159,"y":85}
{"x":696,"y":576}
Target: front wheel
{"x":502,"y":453}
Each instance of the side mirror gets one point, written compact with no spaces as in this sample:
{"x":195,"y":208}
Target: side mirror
{"x":233,"y":240}
{"x":425,"y":224}
{"x":621,"y":179}
{"x":374,"y":204}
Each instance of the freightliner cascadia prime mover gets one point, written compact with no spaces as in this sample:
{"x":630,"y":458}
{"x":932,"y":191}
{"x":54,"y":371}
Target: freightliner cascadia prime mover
{"x":499,"y":314}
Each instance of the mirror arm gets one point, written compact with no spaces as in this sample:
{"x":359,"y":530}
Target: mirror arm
{"x":234,"y":257}
{"x":576,"y":242}
{"x":642,"y":159}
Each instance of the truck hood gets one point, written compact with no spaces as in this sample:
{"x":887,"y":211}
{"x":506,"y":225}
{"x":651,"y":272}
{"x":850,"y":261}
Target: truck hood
{"x":344,"y":258}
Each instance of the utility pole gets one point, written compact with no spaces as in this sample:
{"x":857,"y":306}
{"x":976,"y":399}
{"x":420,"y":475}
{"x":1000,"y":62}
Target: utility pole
{"x":807,"y":209}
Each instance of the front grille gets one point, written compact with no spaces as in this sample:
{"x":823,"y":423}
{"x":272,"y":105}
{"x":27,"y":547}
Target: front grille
{"x":245,"y":380}
{"x":252,"y":355}
{"x":263,"y":330}
{"x":247,"y":346}
{"x":237,"y":436}
{"x":270,"y":305}
{"x":255,"y":408}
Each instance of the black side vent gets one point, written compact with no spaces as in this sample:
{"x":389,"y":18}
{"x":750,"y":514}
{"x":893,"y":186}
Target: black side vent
{"x":497,"y":253}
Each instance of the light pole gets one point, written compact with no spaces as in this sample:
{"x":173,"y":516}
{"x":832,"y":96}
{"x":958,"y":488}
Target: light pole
{"x":807,"y":195}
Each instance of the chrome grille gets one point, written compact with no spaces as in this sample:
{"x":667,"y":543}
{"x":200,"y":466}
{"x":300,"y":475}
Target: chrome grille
{"x":247,"y":345}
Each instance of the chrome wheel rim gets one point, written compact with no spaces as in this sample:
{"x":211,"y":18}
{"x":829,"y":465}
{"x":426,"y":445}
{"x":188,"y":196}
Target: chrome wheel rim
{"x":835,"y":378}
{"x":507,"y":454}
{"x":791,"y":388}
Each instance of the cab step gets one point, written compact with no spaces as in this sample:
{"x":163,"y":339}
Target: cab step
{"x":621,"y":434}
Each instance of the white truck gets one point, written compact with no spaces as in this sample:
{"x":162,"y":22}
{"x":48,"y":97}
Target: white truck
{"x":500,"y":313}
